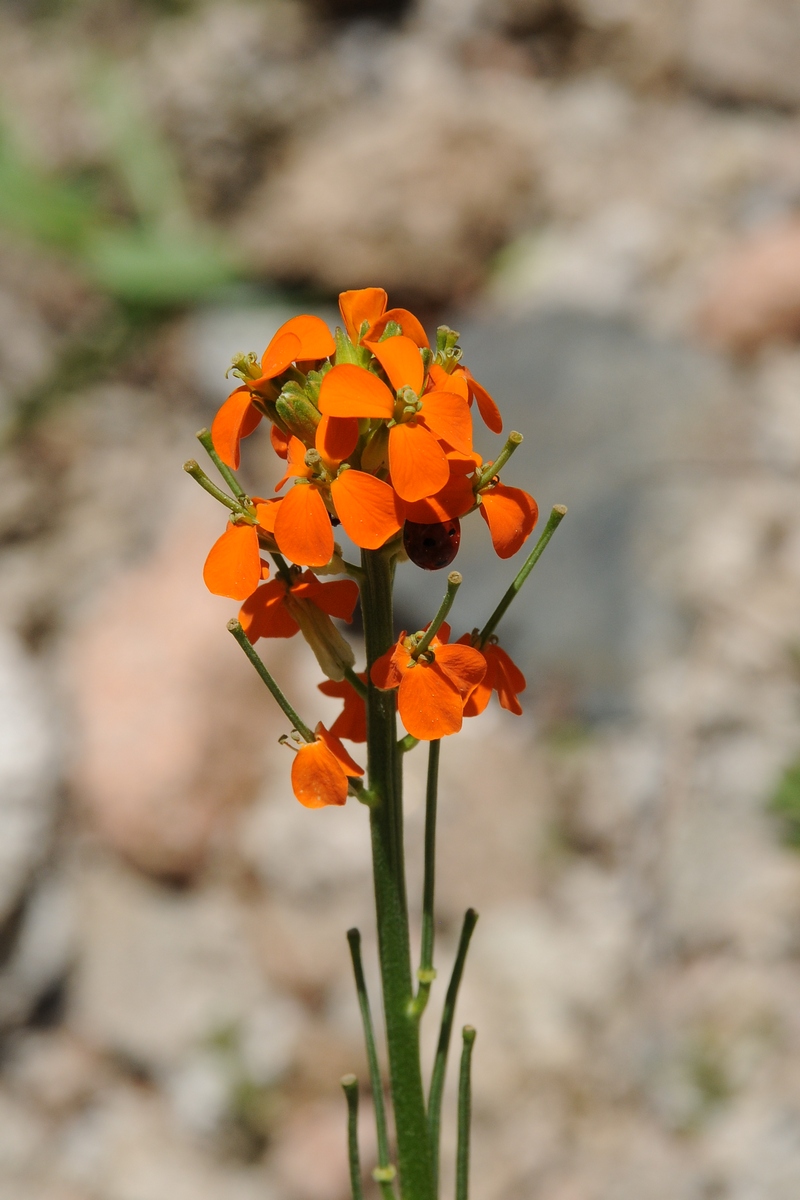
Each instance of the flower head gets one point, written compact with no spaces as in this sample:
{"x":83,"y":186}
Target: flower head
{"x":432,"y":688}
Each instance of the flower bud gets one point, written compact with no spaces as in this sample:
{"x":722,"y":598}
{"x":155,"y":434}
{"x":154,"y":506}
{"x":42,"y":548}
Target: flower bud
{"x":297,"y":412}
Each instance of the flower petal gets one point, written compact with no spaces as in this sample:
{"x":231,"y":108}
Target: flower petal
{"x":440,"y":381}
{"x":303,"y":528}
{"x":264,"y":614}
{"x":266,"y":512}
{"x":511,"y":515}
{"x":505,"y":677}
{"x":477,"y":700}
{"x":417,"y":463}
{"x":388,"y":670}
{"x":295,"y":462}
{"x":233,"y":566}
{"x":360,"y":305}
{"x":279,"y":354}
{"x":351,"y":391}
{"x":337,"y":438}
{"x":464,"y":464}
{"x":401,"y":360}
{"x":337,"y":598}
{"x":237,"y":417}
{"x":429,"y":702}
{"x":489,"y":411}
{"x":449,"y":417}
{"x":352,"y":720}
{"x":368,"y":508}
{"x":280,"y":440}
{"x":454,"y":500}
{"x":409,"y":324}
{"x":317,"y":776}
{"x":348,"y":764}
{"x":464,"y":666}
{"x":316,"y":340}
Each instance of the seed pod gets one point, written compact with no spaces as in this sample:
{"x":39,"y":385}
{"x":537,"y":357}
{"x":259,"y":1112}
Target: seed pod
{"x":432,"y":546}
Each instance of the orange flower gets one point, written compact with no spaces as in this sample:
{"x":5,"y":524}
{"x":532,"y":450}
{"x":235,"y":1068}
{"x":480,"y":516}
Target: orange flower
{"x":321,"y":769}
{"x":511,"y":515}
{"x":368,"y":509}
{"x":365,"y":316}
{"x":301,"y":339}
{"x":464,"y":383}
{"x":272,"y":610}
{"x":502,"y":676}
{"x":352,"y":720}
{"x":233,"y":567}
{"x":417,"y":462}
{"x":431,"y":689}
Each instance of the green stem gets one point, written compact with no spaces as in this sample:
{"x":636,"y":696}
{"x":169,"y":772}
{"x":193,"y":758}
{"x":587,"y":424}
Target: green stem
{"x":356,"y":684}
{"x":196,"y":471}
{"x":426,"y":973}
{"x":282,"y":566}
{"x":204,"y":438}
{"x":384,"y":1164}
{"x":386,"y":826}
{"x":445,"y":1030}
{"x":350,"y":1089}
{"x":555,"y":519}
{"x":407,"y":743}
{"x":454,"y":581}
{"x":494,"y":468}
{"x":464,"y":1113}
{"x":241,"y":637}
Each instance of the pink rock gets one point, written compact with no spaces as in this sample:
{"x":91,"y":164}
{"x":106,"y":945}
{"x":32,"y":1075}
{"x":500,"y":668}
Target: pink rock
{"x":755,"y":296}
{"x":168,"y":713}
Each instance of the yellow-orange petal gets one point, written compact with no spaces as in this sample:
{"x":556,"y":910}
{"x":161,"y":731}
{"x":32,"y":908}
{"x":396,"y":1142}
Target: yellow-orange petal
{"x":279,"y":354}
{"x":430,"y":704}
{"x":409,"y":324}
{"x":233,"y":566}
{"x":280,"y":440}
{"x":454,"y":500}
{"x":348,"y":764}
{"x":237,"y":418}
{"x":266,"y":512}
{"x":439,"y":380}
{"x":505,"y":677}
{"x":464,"y":464}
{"x":316,"y":340}
{"x":463,"y":665}
{"x":295,"y":462}
{"x":337,"y":598}
{"x":303,"y":528}
{"x":417,"y":463}
{"x":352,"y":720}
{"x":360,"y":305}
{"x":388,"y":670}
{"x":337,"y":438}
{"x":317,"y":777}
{"x":368,"y":508}
{"x":264,"y":614}
{"x":351,"y":391}
{"x":448,"y":416}
{"x":489,"y":411}
{"x":511,"y":515}
{"x":401,"y":360}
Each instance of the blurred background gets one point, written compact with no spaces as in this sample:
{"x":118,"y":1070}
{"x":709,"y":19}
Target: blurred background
{"x":604,"y":197}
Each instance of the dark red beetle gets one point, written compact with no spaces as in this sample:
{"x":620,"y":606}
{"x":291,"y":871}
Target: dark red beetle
{"x":432,"y":546}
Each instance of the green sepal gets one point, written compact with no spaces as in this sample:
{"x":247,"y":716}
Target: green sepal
{"x":346,"y":352}
{"x":392,"y":330}
{"x":297,"y":412}
{"x":375,"y":454}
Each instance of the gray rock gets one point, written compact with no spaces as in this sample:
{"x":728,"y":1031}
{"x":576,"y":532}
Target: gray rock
{"x":746,"y":49}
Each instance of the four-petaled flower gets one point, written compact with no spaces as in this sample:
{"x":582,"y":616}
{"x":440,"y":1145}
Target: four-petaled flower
{"x":432,"y":688}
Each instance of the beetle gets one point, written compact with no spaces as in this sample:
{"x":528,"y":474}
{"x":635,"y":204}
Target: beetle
{"x":432,"y":546}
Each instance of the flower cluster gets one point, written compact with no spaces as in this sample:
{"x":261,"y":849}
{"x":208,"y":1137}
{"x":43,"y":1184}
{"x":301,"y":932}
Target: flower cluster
{"x":375,"y":426}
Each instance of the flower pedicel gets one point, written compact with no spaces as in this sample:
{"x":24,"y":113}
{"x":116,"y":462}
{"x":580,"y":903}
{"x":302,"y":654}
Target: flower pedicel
{"x":375,"y":426}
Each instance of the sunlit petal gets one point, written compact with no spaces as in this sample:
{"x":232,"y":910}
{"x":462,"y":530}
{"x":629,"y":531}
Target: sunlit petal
{"x":511,"y":515}
{"x":417,"y":463}
{"x":237,"y":418}
{"x":368,"y":508}
{"x":351,"y":391}
{"x":233,"y":566}
{"x":303,"y":528}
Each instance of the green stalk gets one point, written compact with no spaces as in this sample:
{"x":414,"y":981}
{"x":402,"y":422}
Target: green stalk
{"x":426,"y":973}
{"x":386,"y":825}
{"x":196,"y":471}
{"x":350,"y":1089}
{"x":494,"y":468}
{"x":241,"y":637}
{"x":204,"y":438}
{"x":445,"y":1030}
{"x":556,"y":517}
{"x":454,"y":581}
{"x":464,"y":1113}
{"x":385,"y":1168}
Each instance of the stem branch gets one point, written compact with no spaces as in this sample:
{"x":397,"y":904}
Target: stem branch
{"x":350,"y":1089}
{"x":454,"y":581}
{"x":241,"y":637}
{"x":464,"y":1113}
{"x":554,"y":520}
{"x":204,"y":438}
